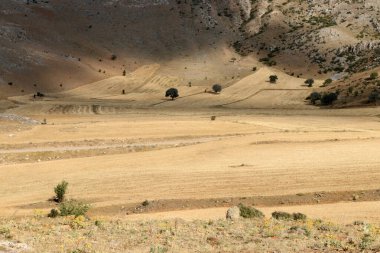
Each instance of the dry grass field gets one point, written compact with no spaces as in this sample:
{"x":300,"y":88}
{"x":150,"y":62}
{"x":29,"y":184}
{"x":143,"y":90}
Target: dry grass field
{"x":116,"y":160}
{"x":191,"y":169}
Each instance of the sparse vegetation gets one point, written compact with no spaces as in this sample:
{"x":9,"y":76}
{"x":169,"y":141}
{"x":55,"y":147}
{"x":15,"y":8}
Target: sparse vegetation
{"x":73,"y":207}
{"x":195,"y":236}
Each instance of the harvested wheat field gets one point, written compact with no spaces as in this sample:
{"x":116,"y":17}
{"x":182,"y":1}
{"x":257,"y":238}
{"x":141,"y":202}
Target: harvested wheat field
{"x":187,"y":167}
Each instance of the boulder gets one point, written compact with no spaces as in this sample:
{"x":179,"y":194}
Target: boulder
{"x":233,"y":213}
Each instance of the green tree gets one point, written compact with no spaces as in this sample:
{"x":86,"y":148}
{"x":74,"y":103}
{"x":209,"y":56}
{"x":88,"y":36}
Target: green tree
{"x":172,"y":92}
{"x":309,"y":82}
{"x":60,"y":191}
{"x":273,"y":78}
{"x":217,"y":88}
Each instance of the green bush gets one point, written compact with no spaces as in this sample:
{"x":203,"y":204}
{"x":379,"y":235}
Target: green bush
{"x":60,"y":191}
{"x":299,"y":216}
{"x":282,"y":216}
{"x":73,"y":207}
{"x":250,"y":212}
{"x":288,"y":216}
{"x":328,"y":98}
{"x":53,"y":213}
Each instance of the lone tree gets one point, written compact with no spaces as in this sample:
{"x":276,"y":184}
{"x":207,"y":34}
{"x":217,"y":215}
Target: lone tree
{"x":172,"y":92}
{"x":309,"y":82}
{"x":60,"y":191}
{"x":273,"y":79}
{"x":217,"y":88}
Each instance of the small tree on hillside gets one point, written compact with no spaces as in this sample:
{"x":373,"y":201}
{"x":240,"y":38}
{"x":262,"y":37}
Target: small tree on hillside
{"x":309,"y":82}
{"x":217,"y":88}
{"x":60,"y":191}
{"x":273,"y":79}
{"x":172,"y":92}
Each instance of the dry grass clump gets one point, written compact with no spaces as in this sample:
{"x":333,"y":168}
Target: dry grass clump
{"x":80,"y":234}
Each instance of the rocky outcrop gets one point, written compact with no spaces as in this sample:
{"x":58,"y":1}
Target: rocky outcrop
{"x":359,"y":47}
{"x":233,"y":213}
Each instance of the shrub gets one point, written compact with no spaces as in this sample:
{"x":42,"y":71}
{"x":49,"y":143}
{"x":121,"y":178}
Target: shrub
{"x":273,"y":79}
{"x":315,"y":96}
{"x":373,"y":75}
{"x":288,"y":216}
{"x":53,"y":213}
{"x":309,"y":82}
{"x":217,"y":88}
{"x":374,"y":96}
{"x":250,"y":212}
{"x":73,"y":207}
{"x":328,"y":98}
{"x":299,"y":216}
{"x":60,"y":191}
{"x":145,"y":203}
{"x":327,"y":81}
{"x":282,"y":216}
{"x":113,"y":57}
{"x":172,"y":92}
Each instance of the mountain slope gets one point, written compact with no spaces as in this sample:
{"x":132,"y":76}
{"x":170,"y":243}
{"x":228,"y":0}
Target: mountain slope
{"x":54,"y":46}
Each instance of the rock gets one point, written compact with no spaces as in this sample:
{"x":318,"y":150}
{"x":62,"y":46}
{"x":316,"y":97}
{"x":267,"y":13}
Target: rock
{"x":13,"y":247}
{"x":233,"y":213}
{"x":355,"y":197}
